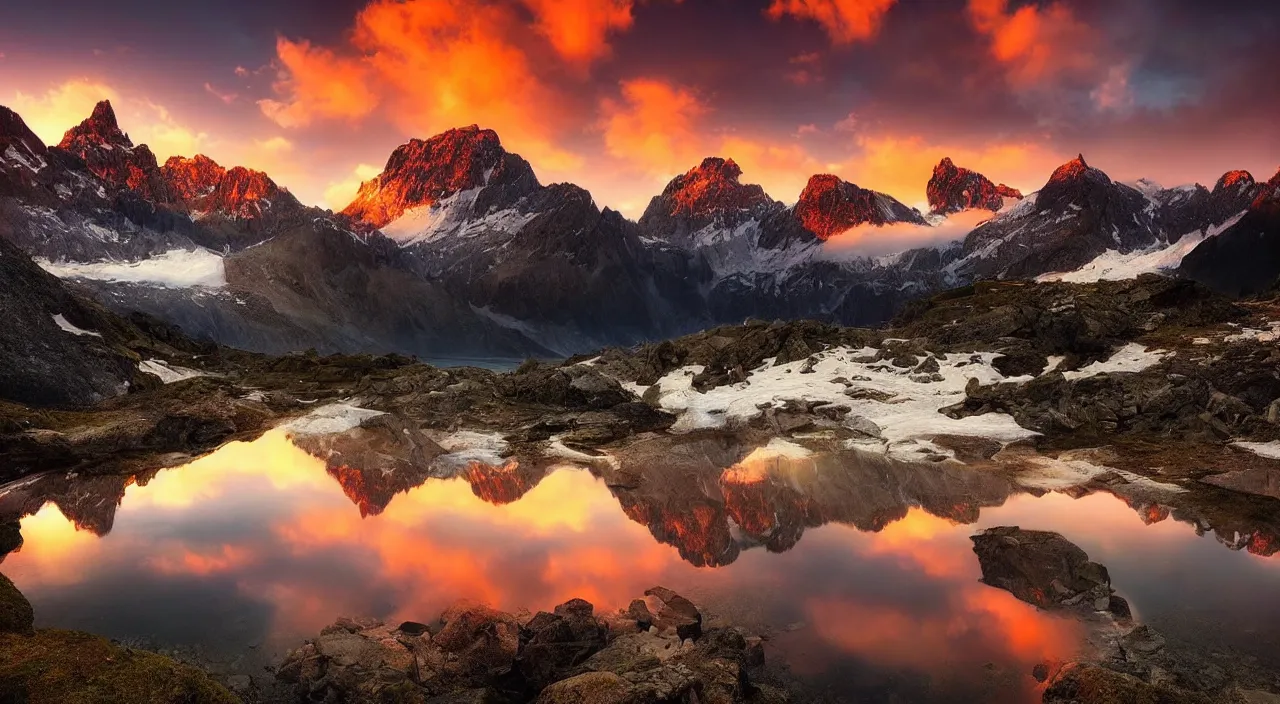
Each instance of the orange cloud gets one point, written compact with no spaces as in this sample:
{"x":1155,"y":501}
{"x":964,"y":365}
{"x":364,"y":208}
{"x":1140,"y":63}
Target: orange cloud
{"x":845,"y":21}
{"x":316,"y":83}
{"x":901,"y":165}
{"x":782,"y":168}
{"x":428,"y":65}
{"x":654,"y":126}
{"x":1035,"y":43}
{"x":578,"y":29}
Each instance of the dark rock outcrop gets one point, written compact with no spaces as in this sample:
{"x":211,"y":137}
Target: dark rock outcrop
{"x":1045,"y":569}
{"x":58,"y":349}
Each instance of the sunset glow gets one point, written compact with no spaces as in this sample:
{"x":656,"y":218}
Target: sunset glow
{"x":619,"y":96}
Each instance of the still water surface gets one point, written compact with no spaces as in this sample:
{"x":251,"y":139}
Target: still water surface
{"x":260,"y":545}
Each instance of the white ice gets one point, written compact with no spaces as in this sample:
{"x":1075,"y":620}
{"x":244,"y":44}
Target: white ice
{"x":1130,"y":358}
{"x":67,"y":326}
{"x":466,"y":446}
{"x":1112,"y":265}
{"x":176,"y":268}
{"x":1270,"y":450}
{"x":330,"y":419}
{"x":906,"y":420}
{"x":168,"y":373}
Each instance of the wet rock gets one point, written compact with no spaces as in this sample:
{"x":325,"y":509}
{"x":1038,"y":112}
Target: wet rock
{"x":555,"y":644}
{"x":588,"y":688}
{"x":1260,"y":481}
{"x":559,"y":656}
{"x":10,"y":538}
{"x":482,"y":695}
{"x":412,"y":628}
{"x":676,"y":612}
{"x":478,"y":638}
{"x":638,"y":611}
{"x":1040,"y":568}
{"x":16,"y":615}
{"x":1083,"y":683}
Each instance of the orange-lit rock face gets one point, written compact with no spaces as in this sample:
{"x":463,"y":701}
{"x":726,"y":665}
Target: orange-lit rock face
{"x":1269,"y":199}
{"x":111,"y":156}
{"x":829,"y":206}
{"x":425,"y":172}
{"x":953,"y":188}
{"x":1234,"y":179}
{"x":499,"y":485}
{"x":712,"y":186}
{"x":202,"y":185}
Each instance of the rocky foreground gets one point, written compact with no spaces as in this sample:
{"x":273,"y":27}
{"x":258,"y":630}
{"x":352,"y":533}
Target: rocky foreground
{"x":1154,"y":390}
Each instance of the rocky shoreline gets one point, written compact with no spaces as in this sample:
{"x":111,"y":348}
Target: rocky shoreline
{"x":1153,"y":390}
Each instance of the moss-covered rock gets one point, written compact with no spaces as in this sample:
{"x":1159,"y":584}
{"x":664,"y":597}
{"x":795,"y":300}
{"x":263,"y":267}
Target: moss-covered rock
{"x":66,"y":667}
{"x":15,"y":611}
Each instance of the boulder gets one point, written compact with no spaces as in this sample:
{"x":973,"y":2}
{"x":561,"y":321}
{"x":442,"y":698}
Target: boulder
{"x":556,"y":644}
{"x":676,"y":612}
{"x":588,"y":688}
{"x":1082,"y":683}
{"x":1044,"y":569}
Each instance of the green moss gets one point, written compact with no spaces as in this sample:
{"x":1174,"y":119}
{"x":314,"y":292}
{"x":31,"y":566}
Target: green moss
{"x":66,"y":667}
{"x":15,"y":611}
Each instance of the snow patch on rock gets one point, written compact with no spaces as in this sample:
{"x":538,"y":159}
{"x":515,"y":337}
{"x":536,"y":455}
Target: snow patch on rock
{"x":1130,"y":358}
{"x":907,"y":416}
{"x":466,"y":446}
{"x":453,"y":216}
{"x":168,"y":373}
{"x":330,"y":419}
{"x":1112,"y":265}
{"x":1270,"y":450}
{"x":66,"y":325}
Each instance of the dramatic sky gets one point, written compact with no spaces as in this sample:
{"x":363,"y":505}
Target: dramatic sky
{"x":620,"y":95}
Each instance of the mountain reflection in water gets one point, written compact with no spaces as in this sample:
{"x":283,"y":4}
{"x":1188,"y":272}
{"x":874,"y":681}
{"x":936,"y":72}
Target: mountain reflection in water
{"x":859,"y":568}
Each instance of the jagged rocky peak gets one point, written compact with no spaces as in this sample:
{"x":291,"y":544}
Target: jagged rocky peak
{"x":1234,"y":179}
{"x":14,"y":132}
{"x":830,"y":205}
{"x":194,"y":177}
{"x":954,"y":188}
{"x":112,"y":156}
{"x":203,"y":185}
{"x":710,"y":187}
{"x":1076,"y":170}
{"x":1077,"y":183}
{"x":100,"y":128}
{"x":1269,"y":196}
{"x":423,"y":172}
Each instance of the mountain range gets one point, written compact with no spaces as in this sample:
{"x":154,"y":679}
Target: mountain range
{"x":457,"y":249}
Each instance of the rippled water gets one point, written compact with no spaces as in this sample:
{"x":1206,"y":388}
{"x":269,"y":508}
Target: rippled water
{"x":859,"y":570}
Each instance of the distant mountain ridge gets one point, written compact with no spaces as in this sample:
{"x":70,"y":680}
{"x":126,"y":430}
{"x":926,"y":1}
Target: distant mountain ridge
{"x":456,"y":248}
